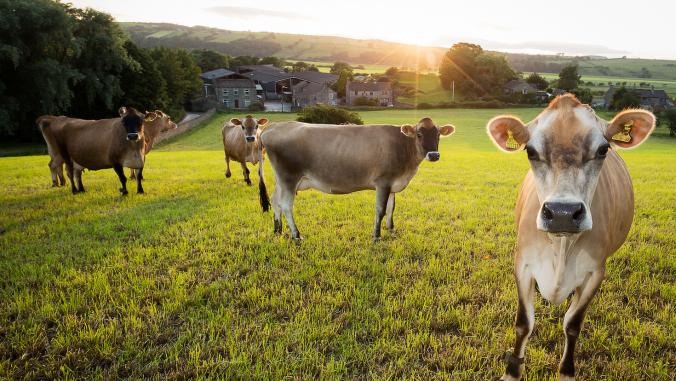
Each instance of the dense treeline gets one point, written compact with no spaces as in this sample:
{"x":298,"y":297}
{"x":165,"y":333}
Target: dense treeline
{"x":58,"y":59}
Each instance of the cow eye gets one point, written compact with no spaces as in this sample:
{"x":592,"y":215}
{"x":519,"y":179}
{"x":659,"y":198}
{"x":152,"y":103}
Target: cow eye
{"x":602,"y":151}
{"x":532,"y":153}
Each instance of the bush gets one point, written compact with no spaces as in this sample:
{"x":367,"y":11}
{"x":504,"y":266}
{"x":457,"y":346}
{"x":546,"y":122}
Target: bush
{"x":257,"y":106}
{"x":325,"y":114}
{"x":364,"y":101}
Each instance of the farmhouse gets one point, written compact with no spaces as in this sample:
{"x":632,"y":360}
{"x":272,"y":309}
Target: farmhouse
{"x":380,"y":91}
{"x":519,"y":86}
{"x":276,"y":82}
{"x":650,"y":98}
{"x":308,"y":94}
{"x":234,"y":93}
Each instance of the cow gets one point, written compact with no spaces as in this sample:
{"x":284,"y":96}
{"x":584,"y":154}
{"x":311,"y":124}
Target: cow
{"x":96,"y":144}
{"x":340,"y":159}
{"x":240,"y":142}
{"x":155,"y":122}
{"x":574,"y":210}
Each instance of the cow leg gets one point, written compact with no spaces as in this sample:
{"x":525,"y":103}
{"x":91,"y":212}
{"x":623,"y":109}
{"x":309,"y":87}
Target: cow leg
{"x":132,"y":174}
{"x":390,"y":212}
{"x":227,"y":166}
{"x":245,"y":171}
{"x":78,"y":176}
{"x":123,"y":179}
{"x":382,"y":194}
{"x":69,"y":171}
{"x":572,"y":322}
{"x":525,"y":320}
{"x":59,"y":173}
{"x":277,"y":210}
{"x":287,"y":193}
{"x":53,"y":172}
{"x":139,"y":178}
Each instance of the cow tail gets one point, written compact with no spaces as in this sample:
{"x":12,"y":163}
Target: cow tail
{"x":262,"y":189}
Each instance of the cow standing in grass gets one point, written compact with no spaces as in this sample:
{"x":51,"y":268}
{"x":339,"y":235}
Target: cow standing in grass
{"x":154,"y":124}
{"x":341,"y":159}
{"x":240,"y":143}
{"x":96,"y":144}
{"x":574,"y":210}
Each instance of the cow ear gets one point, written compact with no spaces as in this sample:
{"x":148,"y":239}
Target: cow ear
{"x":262,"y":122}
{"x":508,"y":133}
{"x":122,"y":111}
{"x":236,"y":122}
{"x":408,"y":130}
{"x":447,"y":130}
{"x":630,"y":128}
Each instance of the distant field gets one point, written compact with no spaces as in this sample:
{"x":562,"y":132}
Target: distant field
{"x":601,"y":82}
{"x":189,"y":282}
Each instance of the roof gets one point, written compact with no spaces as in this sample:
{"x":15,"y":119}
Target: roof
{"x":519,"y":84}
{"x":218,"y":73}
{"x":269,"y":73}
{"x":308,"y":88}
{"x":368,"y":86}
{"x":227,"y":82}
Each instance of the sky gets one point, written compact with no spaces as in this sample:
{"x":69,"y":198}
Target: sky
{"x":574,"y":27}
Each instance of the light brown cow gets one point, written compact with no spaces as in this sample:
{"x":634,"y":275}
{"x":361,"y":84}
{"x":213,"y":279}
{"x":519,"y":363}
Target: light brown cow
{"x":155,"y":122}
{"x":340,"y":159}
{"x":96,"y":144}
{"x":240,"y":143}
{"x":574,"y":210}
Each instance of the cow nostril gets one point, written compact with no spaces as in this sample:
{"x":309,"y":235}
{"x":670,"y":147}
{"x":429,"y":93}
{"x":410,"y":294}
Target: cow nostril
{"x":547,"y":213}
{"x":579,"y":214}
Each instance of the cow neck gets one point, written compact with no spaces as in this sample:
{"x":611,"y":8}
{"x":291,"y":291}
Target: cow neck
{"x":563,"y":248}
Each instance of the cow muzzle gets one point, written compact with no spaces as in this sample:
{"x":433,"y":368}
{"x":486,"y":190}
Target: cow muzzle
{"x":132,"y":136}
{"x":563,"y":218}
{"x":432,"y":156}
{"x":250,"y":139}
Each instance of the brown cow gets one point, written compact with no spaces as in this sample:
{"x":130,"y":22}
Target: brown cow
{"x":341,"y":159}
{"x":574,"y":210}
{"x":155,"y":122}
{"x":96,"y":144}
{"x":240,"y":142}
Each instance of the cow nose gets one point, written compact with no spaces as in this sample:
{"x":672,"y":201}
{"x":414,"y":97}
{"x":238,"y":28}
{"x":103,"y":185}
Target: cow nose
{"x":132,"y":136}
{"x":433,"y":156}
{"x":250,"y":139}
{"x":563,"y":217}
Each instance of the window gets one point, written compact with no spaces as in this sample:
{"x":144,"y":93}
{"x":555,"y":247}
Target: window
{"x":225,"y":102}
{"x":371,"y":92}
{"x":225,"y":92}
{"x":246,"y":91}
{"x":247,"y":103}
{"x":235,"y":92}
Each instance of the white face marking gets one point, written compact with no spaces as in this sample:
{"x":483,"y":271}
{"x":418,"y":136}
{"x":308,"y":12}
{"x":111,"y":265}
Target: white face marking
{"x":566,"y":167}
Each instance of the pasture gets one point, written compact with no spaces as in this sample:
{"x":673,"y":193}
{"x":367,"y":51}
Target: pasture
{"x":189,"y":281}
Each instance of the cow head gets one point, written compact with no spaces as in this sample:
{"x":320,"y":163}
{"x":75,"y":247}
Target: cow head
{"x":566,"y":146}
{"x":159,"y":121}
{"x":133,"y":123}
{"x":249,"y":126}
{"x":427,"y":135}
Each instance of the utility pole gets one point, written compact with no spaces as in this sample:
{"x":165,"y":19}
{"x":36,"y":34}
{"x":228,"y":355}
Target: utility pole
{"x":453,"y":92}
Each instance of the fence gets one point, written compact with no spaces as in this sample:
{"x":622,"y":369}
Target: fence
{"x":185,"y":126}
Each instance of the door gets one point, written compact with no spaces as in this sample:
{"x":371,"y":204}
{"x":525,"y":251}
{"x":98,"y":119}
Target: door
{"x":236,"y":103}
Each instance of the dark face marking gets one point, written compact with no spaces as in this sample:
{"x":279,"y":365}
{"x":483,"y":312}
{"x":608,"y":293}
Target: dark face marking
{"x":249,"y":126}
{"x":429,"y":138}
{"x":133,"y":123}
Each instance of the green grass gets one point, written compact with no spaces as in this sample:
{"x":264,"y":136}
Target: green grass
{"x":188,"y":280}
{"x":601,"y":82}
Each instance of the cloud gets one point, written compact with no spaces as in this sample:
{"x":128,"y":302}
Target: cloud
{"x":230,"y":11}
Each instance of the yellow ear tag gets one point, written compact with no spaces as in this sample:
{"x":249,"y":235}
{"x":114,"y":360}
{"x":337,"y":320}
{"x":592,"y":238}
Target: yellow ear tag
{"x":624,"y":136}
{"x":511,"y":143}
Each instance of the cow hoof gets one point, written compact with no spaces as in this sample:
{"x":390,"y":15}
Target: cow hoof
{"x":228,"y":174}
{"x":140,"y":192}
{"x":377,"y":239}
{"x":124,"y":192}
{"x":248,"y":182}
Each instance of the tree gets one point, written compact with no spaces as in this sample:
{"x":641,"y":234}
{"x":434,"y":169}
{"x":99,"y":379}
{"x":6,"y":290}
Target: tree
{"x":274,"y":61}
{"x":343,"y":78}
{"x":313,"y":68}
{"x":243,"y":61}
{"x":181,"y":74}
{"x":326,"y":114}
{"x":623,"y":98}
{"x":492,"y":73}
{"x":569,"y":78}
{"x":299,"y":66}
{"x":101,"y":59}
{"x":143,"y":86}
{"x":583,"y":94}
{"x":538,"y":81}
{"x":392,"y":71}
{"x":209,"y":59}
{"x":458,"y":65}
{"x":339,"y":67}
{"x":668,"y":117}
{"x":36,"y":45}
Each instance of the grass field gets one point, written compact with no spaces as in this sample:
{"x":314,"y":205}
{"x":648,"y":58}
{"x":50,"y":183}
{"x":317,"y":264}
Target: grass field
{"x":601,"y":82}
{"x":188,"y":281}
